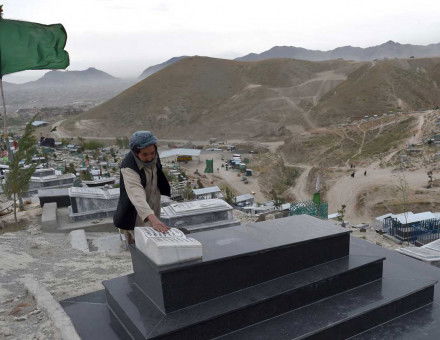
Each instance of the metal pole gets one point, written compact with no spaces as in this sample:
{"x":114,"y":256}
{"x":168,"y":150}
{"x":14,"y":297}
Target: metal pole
{"x":5,"y":132}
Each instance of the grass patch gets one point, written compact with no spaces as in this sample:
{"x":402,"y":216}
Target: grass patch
{"x":390,"y":137}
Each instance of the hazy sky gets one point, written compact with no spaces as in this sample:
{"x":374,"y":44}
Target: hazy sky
{"x":123,"y":37}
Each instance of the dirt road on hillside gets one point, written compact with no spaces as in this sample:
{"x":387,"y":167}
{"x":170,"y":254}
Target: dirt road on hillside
{"x":300,"y":188}
{"x":346,"y":190}
{"x":230,"y":177}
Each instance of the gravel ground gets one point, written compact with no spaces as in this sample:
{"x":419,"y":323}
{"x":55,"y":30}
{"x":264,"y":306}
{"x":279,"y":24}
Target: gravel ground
{"x":64,"y":271}
{"x":67,"y":272}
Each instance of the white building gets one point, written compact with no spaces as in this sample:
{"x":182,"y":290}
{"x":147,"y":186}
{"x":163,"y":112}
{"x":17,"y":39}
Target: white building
{"x":244,"y":200}
{"x":208,"y":193}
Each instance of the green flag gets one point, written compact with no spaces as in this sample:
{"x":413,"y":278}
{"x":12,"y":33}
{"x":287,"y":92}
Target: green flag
{"x":31,"y":46}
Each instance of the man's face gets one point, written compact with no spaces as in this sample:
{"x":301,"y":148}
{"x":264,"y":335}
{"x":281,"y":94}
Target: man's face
{"x":147,"y":154}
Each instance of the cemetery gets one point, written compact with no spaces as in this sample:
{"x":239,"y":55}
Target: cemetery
{"x":332,"y":286}
{"x":291,"y":193}
{"x":418,"y":229}
{"x":275,"y":274}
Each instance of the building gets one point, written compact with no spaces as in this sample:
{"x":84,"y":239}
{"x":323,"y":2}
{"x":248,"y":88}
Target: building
{"x":418,"y":229}
{"x":245,"y":200}
{"x":180,"y":154}
{"x":207,"y":193}
{"x":39,"y":123}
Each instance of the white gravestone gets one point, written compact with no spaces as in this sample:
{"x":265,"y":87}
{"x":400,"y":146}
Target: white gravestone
{"x":167,"y":248}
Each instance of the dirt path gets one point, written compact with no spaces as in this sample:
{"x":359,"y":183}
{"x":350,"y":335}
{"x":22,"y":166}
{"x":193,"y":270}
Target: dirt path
{"x":300,"y":188}
{"x":417,"y":137}
{"x":359,"y":151}
{"x":305,"y":114}
{"x":347,"y":189}
{"x":326,"y":81}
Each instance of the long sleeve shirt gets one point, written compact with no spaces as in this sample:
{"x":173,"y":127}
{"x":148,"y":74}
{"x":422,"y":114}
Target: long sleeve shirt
{"x":146,"y":201}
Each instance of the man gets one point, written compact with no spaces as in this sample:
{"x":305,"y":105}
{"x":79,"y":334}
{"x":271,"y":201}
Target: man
{"x":142,"y":181}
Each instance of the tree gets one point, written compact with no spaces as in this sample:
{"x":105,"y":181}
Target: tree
{"x":276,"y":200}
{"x":188,"y":193}
{"x":17,"y":180}
{"x":341,"y":215}
{"x":70,"y":169}
{"x":228,"y":193}
{"x":200,"y":184}
{"x":430,"y":179}
{"x":122,"y":142}
{"x":403,"y":192}
{"x":86,"y":176}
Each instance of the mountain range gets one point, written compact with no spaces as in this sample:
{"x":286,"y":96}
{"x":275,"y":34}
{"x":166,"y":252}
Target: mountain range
{"x":390,"y":49}
{"x":60,"y":88}
{"x":201,"y":97}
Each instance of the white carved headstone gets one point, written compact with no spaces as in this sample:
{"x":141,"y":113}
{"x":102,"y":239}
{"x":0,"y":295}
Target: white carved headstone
{"x":167,"y":248}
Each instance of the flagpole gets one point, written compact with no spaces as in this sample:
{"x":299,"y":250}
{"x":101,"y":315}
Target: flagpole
{"x":5,"y":132}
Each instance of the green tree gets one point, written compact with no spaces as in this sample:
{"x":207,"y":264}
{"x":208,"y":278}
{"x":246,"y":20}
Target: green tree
{"x":70,"y":169}
{"x":276,"y":199}
{"x":17,"y":180}
{"x":341,"y":215}
{"x":228,"y":193}
{"x":125,"y":142}
{"x":92,"y":145}
{"x":188,"y":193}
{"x":86,"y":176}
{"x":122,"y":142}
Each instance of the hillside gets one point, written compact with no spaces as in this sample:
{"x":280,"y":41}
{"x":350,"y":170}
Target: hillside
{"x":382,"y":86}
{"x":156,"y":68}
{"x":269,"y":99}
{"x":355,"y":143}
{"x":201,"y":97}
{"x":390,"y":49}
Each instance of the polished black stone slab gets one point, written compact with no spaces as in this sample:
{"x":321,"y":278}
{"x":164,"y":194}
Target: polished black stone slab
{"x":242,"y":256}
{"x":93,"y":297}
{"x":94,"y":321}
{"x":59,"y":196}
{"x":420,"y":324}
{"x":241,"y":308}
{"x":346,"y":314}
{"x":423,"y":323}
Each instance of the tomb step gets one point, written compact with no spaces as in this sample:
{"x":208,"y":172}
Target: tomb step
{"x":245,"y":256}
{"x":241,"y":308}
{"x":95,"y":321}
{"x":213,"y":225}
{"x":346,"y":314}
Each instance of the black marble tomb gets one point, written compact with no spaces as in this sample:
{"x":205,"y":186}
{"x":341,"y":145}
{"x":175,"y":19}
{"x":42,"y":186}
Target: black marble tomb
{"x":283,"y":279}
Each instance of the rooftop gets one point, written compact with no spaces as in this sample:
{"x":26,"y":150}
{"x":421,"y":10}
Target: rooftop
{"x":207,"y":190}
{"x":179,"y":152}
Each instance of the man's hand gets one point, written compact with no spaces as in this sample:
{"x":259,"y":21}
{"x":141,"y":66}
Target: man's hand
{"x":157,"y":224}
